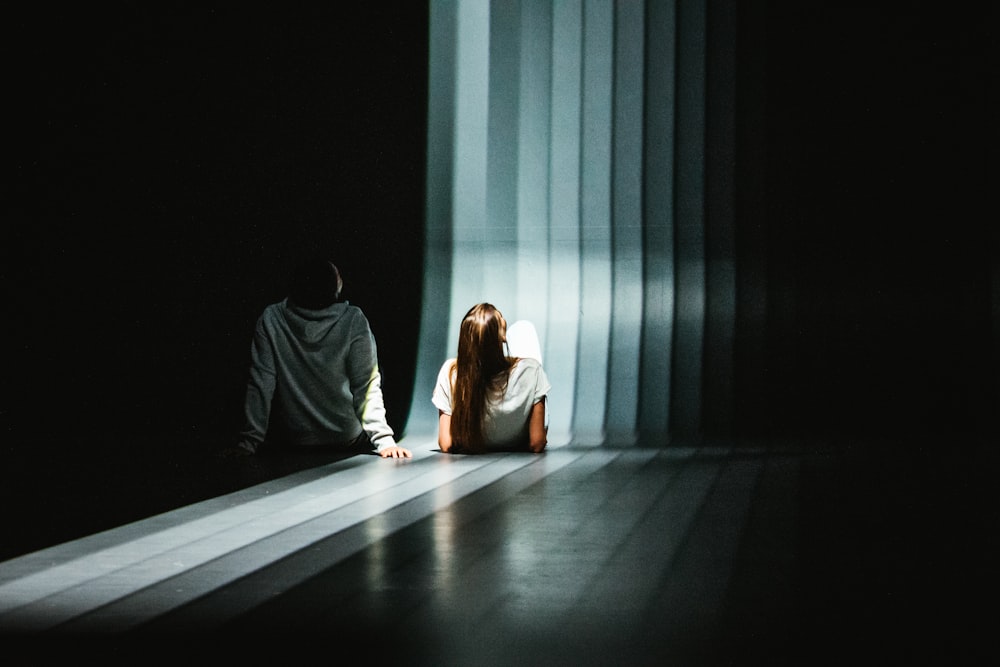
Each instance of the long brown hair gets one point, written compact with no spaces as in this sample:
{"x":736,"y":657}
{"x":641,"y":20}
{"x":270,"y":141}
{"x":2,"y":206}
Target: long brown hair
{"x":480,"y":372}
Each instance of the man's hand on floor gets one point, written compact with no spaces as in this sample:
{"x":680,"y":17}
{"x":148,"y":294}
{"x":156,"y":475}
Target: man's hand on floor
{"x":395,"y":452}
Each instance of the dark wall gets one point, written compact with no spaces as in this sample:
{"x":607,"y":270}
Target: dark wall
{"x":168,"y":165}
{"x":865,"y":229}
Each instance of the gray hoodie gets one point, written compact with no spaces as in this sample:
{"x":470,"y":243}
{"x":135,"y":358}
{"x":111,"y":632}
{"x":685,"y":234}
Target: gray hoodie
{"x":314,"y":376}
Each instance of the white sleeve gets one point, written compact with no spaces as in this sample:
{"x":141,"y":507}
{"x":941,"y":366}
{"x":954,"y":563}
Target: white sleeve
{"x":542,"y":384}
{"x":441,"y":398}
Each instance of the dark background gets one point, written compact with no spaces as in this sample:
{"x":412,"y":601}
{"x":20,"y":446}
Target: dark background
{"x":173,"y":166}
{"x":866,"y":222}
{"x":166,"y":168}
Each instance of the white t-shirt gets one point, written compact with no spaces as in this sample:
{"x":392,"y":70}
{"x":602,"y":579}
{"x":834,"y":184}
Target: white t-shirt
{"x":506,"y":421}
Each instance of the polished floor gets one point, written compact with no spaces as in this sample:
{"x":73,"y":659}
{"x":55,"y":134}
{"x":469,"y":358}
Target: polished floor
{"x":831,"y":552}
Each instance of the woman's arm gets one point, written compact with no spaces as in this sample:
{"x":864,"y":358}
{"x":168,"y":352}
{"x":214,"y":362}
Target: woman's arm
{"x":444,"y":431}
{"x":537,"y":433}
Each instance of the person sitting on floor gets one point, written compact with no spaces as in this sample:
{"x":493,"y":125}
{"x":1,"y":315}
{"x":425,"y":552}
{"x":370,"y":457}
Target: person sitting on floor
{"x":314,"y":375}
{"x":487,"y":400}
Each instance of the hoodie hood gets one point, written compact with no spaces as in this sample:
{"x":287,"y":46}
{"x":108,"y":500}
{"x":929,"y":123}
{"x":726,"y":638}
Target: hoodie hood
{"x":312,"y":326}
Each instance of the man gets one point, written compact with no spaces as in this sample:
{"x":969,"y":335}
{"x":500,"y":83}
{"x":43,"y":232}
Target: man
{"x":314,"y":377}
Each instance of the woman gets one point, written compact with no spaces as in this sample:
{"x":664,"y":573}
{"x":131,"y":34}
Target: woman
{"x":486,"y":400}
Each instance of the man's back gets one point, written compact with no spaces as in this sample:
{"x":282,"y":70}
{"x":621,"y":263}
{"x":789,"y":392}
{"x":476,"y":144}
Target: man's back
{"x":314,"y":376}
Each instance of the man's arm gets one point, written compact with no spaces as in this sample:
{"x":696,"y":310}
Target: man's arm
{"x":368,"y":401}
{"x":260,"y":391}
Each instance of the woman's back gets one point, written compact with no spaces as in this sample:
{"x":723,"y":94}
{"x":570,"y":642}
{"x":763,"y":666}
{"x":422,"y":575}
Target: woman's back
{"x":489,"y":397}
{"x":505,"y":422}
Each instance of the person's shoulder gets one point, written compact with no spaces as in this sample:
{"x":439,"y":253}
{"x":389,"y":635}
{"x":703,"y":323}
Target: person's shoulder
{"x":444,"y":374}
{"x":272,"y":312}
{"x":529,"y":373}
{"x":351,"y":313}
{"x":526,"y":366}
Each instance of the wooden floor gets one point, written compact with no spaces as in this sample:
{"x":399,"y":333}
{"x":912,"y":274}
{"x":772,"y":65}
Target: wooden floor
{"x":826,"y":553}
